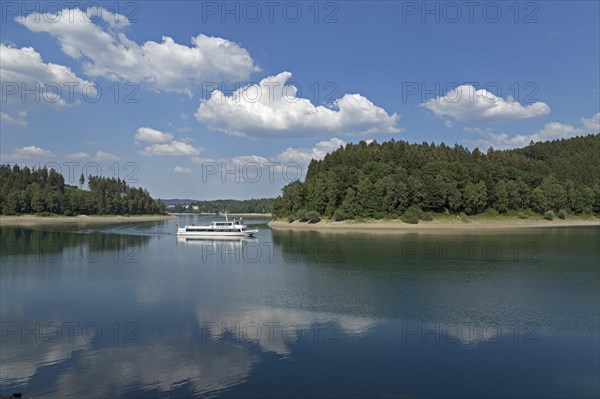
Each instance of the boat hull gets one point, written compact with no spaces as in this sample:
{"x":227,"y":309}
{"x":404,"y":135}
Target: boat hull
{"x":219,"y":234}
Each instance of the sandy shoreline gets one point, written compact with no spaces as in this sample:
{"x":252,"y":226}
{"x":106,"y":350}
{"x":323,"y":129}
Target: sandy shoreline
{"x":34,"y":220}
{"x":390,"y":226}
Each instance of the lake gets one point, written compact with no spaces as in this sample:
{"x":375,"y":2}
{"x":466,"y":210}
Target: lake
{"x":132,"y":311}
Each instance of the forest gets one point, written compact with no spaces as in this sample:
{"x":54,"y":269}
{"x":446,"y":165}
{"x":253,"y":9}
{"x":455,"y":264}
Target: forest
{"x":254,"y":205}
{"x":395,"y":179}
{"x":43,"y":191}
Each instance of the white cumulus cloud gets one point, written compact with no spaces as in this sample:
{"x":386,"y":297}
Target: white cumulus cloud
{"x":272,"y":108}
{"x":551,"y":131}
{"x":33,"y":151}
{"x":95,"y":36}
{"x":162,"y":143}
{"x":181,"y":169}
{"x":173,"y":148}
{"x":466,"y":104}
{"x":27,"y":81}
{"x":294,"y":159}
{"x":592,"y":125}
{"x":303,"y":156}
{"x":27,"y":152}
{"x":249,"y":159}
{"x":105,"y":156}
{"x":15,"y":120}
{"x":77,"y":155}
{"x":152,"y":136}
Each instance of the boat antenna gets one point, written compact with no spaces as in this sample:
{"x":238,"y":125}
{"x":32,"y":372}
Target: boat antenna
{"x":226,"y":218}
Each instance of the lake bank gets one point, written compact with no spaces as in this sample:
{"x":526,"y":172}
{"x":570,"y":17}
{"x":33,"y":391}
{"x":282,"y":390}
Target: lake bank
{"x":34,"y":219}
{"x":434,"y":225}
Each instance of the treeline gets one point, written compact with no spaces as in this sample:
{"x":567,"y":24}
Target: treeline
{"x":43,"y":191}
{"x":254,"y":205}
{"x":398,"y":179}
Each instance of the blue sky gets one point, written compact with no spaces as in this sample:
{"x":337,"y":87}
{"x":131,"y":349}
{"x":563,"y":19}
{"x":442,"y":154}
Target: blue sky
{"x":231,"y":100}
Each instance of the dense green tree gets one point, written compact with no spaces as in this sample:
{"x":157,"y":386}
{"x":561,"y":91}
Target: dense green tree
{"x":37,"y":198}
{"x":537,"y":200}
{"x":584,"y":200}
{"x":42,"y":190}
{"x":317,"y":197}
{"x":455,"y":200}
{"x":572,"y":194}
{"x":556,"y":196}
{"x":416,"y":190}
{"x":435,"y":193}
{"x":518,"y":194}
{"x":596,"y":205}
{"x":475,"y":197}
{"x":501,"y":197}
{"x":382,"y":180}
{"x":365,"y":198}
{"x":11,"y":203}
{"x":350,"y":206}
{"x":393,"y":195}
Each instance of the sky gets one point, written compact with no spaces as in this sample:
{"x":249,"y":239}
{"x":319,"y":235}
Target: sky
{"x":208,"y":100}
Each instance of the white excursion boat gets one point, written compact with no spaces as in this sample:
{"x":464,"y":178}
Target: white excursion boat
{"x":224,"y":229}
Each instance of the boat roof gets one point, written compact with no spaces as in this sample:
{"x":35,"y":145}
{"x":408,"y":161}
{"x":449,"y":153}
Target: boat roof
{"x":218,"y":224}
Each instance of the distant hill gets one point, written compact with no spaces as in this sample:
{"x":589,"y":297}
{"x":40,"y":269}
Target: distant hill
{"x":394,"y":178}
{"x":177,"y":201}
{"x":254,"y":205}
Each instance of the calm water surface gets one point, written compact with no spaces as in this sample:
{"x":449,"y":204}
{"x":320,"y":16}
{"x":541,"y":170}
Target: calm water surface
{"x":131,"y":311}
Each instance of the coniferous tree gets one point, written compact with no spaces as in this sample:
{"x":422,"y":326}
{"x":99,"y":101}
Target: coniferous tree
{"x":44,"y":191}
{"x":383,"y":180}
